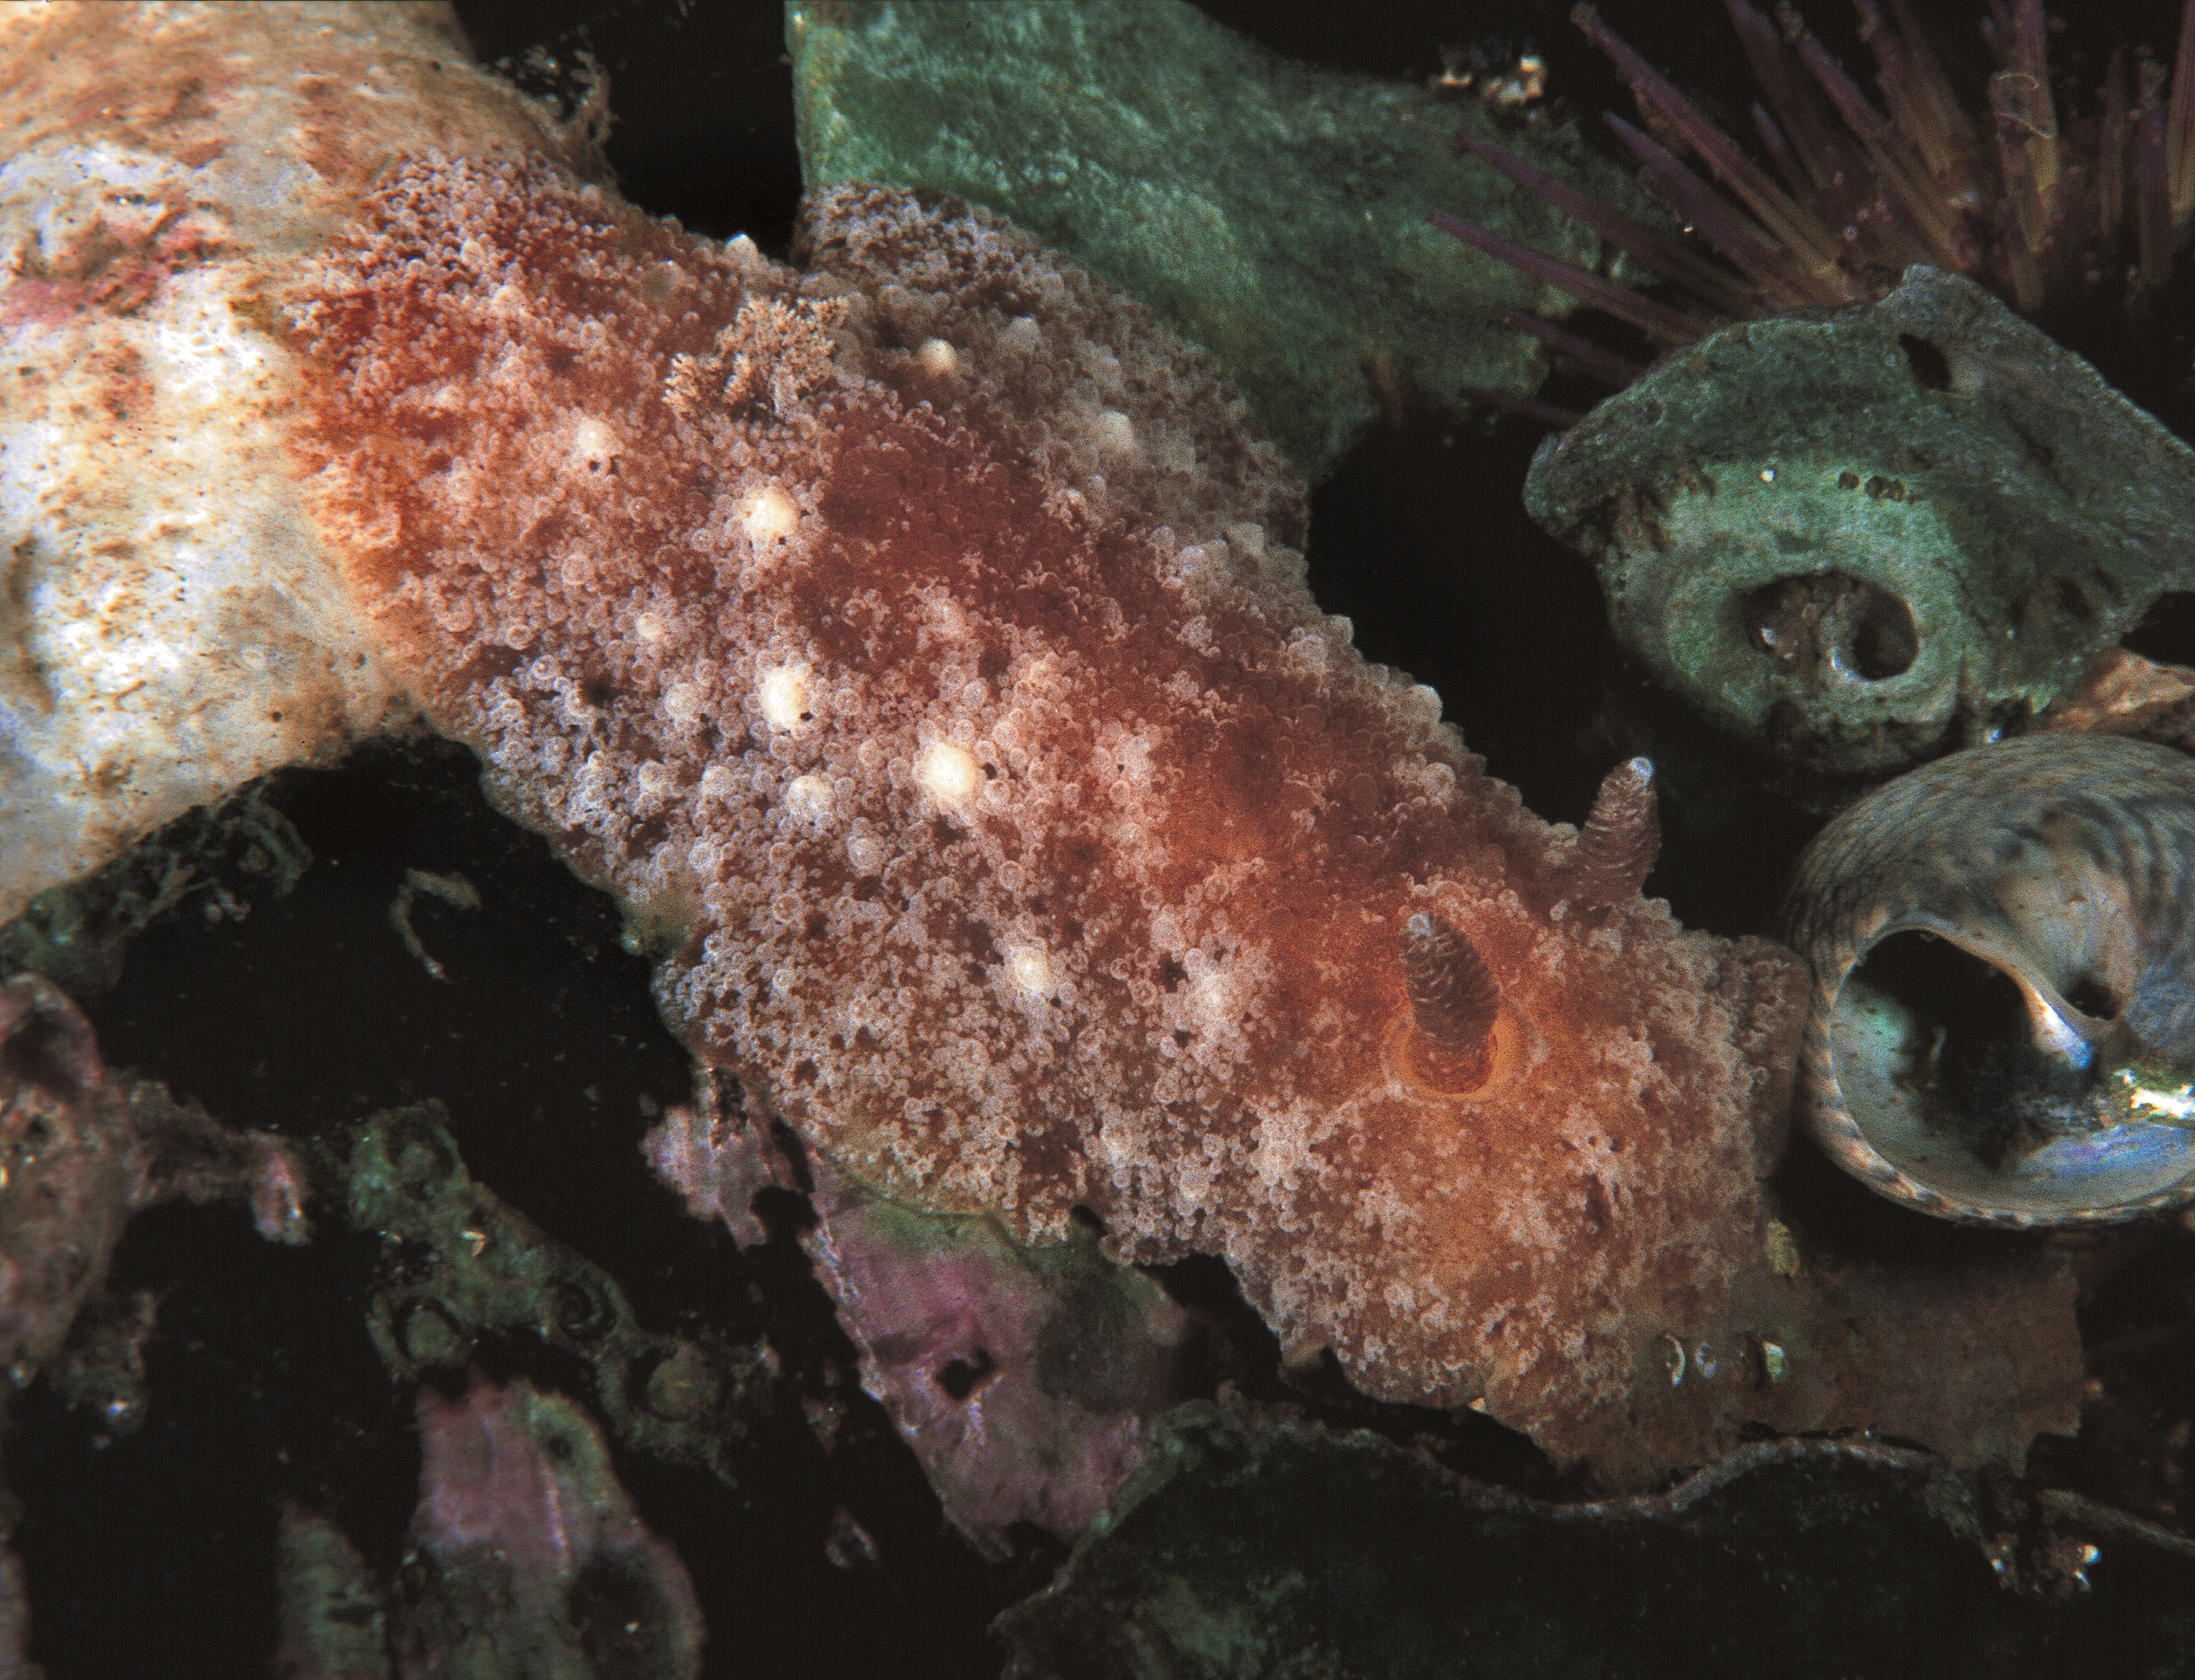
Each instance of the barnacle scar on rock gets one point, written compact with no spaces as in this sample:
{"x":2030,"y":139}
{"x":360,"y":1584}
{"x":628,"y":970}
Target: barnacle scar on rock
{"x":1041,"y":843}
{"x":2002,"y":1029}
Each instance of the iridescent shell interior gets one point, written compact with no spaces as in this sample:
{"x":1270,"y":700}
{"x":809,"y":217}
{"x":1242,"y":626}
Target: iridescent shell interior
{"x":2003,"y":1025}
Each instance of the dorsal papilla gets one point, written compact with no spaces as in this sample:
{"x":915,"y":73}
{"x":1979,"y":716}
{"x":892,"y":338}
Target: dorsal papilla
{"x":1453,"y":997}
{"x":1621,"y":836}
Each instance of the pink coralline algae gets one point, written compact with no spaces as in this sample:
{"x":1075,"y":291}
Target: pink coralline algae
{"x":539,"y":1562}
{"x":1026,"y":1381}
{"x":81,"y":1151}
{"x":717,"y":1161}
{"x":72,"y":1170}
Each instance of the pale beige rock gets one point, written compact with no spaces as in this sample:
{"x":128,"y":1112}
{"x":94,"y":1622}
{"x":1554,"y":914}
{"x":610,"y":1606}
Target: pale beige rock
{"x":169,"y":625}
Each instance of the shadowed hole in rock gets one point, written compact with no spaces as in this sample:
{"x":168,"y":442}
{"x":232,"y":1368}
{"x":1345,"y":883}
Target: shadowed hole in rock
{"x":2167,"y":632}
{"x":1932,"y":368}
{"x":2092,"y":996}
{"x":44,"y":1050}
{"x":962,"y":1376}
{"x":1831,"y":621}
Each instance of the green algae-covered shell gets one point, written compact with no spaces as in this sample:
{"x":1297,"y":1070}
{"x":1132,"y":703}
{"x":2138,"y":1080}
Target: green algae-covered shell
{"x":1857,"y":539}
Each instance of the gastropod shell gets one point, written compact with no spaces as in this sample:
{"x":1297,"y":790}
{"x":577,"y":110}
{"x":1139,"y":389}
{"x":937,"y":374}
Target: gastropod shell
{"x":2002,"y":1024}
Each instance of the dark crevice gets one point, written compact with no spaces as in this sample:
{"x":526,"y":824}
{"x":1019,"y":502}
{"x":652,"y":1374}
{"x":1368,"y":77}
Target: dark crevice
{"x":1932,"y":368}
{"x":2167,"y":632}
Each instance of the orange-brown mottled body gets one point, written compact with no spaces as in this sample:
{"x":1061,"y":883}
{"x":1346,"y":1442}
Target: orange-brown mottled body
{"x":1027,"y":836}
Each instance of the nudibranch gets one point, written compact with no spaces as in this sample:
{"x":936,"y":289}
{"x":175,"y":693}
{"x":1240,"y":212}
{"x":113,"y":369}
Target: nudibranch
{"x":2002,"y":1029}
{"x":920,"y":644}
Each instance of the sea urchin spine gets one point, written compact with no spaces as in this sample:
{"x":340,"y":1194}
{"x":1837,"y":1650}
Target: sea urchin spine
{"x":2021,"y":197}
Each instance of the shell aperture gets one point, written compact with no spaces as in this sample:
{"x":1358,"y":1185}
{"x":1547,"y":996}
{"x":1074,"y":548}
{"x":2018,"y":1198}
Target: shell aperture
{"x":2002,"y":1026}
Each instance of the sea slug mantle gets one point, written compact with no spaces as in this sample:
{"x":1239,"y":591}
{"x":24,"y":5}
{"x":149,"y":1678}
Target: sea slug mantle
{"x":920,"y":644}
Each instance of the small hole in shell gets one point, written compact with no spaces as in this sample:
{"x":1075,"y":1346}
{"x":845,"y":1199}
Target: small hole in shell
{"x":1830,"y":625}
